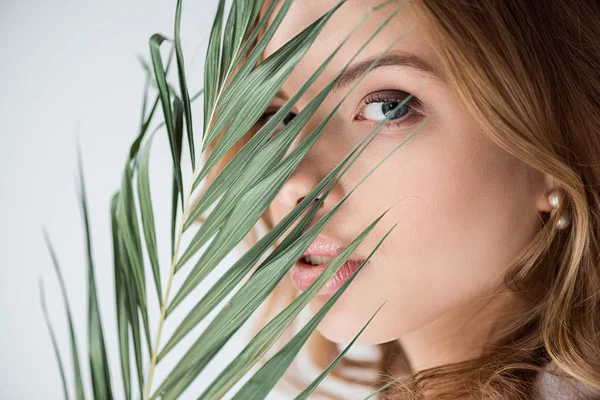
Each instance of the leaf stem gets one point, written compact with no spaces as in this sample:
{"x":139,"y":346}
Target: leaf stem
{"x":169,"y":281}
{"x":184,"y":215}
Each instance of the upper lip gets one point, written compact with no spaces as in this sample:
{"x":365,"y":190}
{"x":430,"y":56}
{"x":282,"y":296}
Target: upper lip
{"x":322,"y":246}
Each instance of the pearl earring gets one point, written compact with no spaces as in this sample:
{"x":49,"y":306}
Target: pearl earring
{"x":555,"y":198}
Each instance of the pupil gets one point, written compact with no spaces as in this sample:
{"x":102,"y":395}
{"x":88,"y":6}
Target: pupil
{"x":387,"y":106}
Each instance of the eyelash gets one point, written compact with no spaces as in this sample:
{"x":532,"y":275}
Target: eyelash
{"x":394,"y":96}
{"x":378,"y":97}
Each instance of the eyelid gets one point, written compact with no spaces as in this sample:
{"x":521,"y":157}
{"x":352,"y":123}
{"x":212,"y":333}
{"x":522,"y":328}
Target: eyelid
{"x":269,"y":112}
{"x":391,"y":95}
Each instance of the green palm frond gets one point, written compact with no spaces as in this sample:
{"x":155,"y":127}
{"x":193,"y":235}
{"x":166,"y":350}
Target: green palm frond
{"x":98,"y":359}
{"x":74,"y":349}
{"x":237,"y":90}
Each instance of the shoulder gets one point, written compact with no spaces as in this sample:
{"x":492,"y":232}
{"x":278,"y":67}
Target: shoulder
{"x":553,"y":387}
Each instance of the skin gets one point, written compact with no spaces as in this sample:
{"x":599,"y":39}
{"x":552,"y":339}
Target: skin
{"x":464,"y":207}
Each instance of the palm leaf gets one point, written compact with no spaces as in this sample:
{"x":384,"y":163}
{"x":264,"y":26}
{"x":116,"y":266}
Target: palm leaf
{"x":74,"y":351}
{"x":313,"y":385}
{"x":148,"y":214}
{"x":185,"y":96}
{"x":212,"y":63}
{"x":100,"y":370}
{"x":165,"y":99}
{"x":178,"y":142}
{"x":127,"y":221}
{"x":147,"y":119}
{"x":61,"y":367}
{"x":237,"y":90}
{"x":385,"y":386}
{"x":126,"y":304}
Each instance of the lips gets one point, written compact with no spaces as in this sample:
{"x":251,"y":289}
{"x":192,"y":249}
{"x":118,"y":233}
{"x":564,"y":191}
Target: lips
{"x":325,"y":248}
{"x":303,"y":274}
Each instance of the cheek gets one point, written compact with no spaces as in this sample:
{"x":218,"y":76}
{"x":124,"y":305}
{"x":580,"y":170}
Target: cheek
{"x":464,"y":214}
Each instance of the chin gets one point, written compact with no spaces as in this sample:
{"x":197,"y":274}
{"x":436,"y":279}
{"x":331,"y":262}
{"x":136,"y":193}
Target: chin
{"x":341,"y":324}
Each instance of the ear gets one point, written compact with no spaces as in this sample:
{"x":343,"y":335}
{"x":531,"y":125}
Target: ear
{"x":546,"y":185}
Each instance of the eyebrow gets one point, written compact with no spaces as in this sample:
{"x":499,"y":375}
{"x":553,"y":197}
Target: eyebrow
{"x":355,"y":71}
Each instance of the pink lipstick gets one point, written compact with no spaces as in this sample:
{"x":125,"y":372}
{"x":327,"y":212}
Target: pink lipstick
{"x":321,"y":251}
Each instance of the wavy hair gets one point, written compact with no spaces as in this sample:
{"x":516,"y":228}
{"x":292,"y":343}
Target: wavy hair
{"x":528,"y":72}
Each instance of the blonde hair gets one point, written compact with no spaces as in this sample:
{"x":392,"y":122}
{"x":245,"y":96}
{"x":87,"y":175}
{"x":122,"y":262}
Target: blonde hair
{"x":528,"y":72}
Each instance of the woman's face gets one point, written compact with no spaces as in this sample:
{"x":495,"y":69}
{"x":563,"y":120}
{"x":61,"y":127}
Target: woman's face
{"x":463,"y":206}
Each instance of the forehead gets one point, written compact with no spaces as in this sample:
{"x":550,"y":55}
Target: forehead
{"x":406,"y":25}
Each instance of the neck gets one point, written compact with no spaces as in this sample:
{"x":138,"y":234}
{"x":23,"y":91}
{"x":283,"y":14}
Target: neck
{"x":457,"y":335}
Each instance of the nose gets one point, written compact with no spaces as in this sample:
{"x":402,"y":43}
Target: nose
{"x":297,"y":187}
{"x":313,"y":168}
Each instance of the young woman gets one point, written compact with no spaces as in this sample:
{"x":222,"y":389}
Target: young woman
{"x":492,"y":274}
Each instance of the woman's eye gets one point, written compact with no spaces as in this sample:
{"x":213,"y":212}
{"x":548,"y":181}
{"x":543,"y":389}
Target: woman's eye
{"x":382,"y":105}
{"x":267,"y":115}
{"x":380,"y":109}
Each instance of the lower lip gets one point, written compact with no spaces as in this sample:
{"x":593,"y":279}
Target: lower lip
{"x":304,"y":274}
